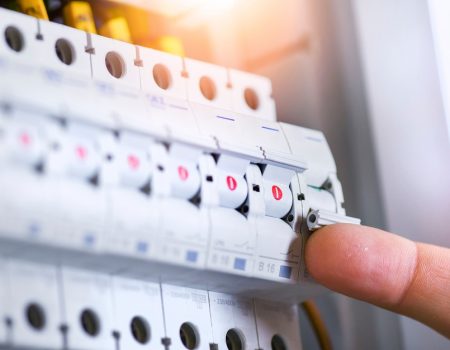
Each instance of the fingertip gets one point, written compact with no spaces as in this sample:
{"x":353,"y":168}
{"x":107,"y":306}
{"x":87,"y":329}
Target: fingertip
{"x":383,"y":269}
{"x":326,"y":246}
{"x":361,"y":262}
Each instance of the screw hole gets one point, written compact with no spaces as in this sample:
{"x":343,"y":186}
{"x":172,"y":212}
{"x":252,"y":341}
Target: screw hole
{"x":208,"y":88}
{"x":312,"y":218}
{"x":65,"y":51}
{"x":140,"y":330}
{"x":161,"y":76}
{"x":14,"y":39}
{"x":90,"y":322}
{"x":251,"y":98}
{"x":244,"y":209}
{"x":35,"y":316}
{"x":189,"y":336}
{"x":278,"y":343}
{"x":115,"y":64}
{"x":196,"y":200}
{"x":235,"y":339}
{"x":290,"y":218}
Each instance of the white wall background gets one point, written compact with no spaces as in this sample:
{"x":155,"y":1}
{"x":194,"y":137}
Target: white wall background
{"x":409,"y":128}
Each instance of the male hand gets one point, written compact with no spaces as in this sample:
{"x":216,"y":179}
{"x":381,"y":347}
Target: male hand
{"x":384,"y":269}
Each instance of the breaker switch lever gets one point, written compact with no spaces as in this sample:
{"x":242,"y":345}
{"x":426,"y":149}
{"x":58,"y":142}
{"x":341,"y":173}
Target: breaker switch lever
{"x":319,"y":218}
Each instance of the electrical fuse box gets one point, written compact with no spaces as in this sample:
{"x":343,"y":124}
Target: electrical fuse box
{"x":157,"y":195}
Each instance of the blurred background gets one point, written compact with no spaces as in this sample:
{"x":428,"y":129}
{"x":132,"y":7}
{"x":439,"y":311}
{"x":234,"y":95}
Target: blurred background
{"x":373,"y":75}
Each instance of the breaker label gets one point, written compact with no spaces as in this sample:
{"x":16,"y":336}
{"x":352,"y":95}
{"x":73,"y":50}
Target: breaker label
{"x":191,"y":256}
{"x":231,"y":183}
{"x":89,"y":240}
{"x":133,"y":162}
{"x":239,"y":264}
{"x":157,"y":102}
{"x":285,"y":271}
{"x":142,"y":247}
{"x":183,"y":173}
{"x":277,"y":192}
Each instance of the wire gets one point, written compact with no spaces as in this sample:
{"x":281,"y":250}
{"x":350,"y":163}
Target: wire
{"x":320,"y":330}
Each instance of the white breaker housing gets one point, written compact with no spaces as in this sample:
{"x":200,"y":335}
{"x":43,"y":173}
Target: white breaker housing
{"x":123,"y":179}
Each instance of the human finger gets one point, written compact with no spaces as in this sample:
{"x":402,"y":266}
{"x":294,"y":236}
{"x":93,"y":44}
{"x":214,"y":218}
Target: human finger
{"x":384,"y":269}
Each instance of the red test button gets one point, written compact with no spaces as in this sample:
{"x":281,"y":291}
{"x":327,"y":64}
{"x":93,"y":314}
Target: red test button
{"x":133,"y":162}
{"x":25,"y":139}
{"x":81,"y":152}
{"x":277,"y":192}
{"x":231,"y":183}
{"x":183,"y":173}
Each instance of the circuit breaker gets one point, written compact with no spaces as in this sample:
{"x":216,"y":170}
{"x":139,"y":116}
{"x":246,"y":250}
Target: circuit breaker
{"x":149,"y":200}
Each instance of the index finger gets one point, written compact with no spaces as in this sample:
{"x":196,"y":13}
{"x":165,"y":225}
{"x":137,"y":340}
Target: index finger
{"x":384,"y":269}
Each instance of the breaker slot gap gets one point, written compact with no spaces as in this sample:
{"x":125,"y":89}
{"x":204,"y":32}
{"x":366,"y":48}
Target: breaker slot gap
{"x":162,"y":76}
{"x":90,"y":322}
{"x":189,"y":336}
{"x":14,"y":39}
{"x":278,"y":343}
{"x":235,"y":340}
{"x":251,"y":98}
{"x":140,"y":330}
{"x":65,"y":51}
{"x":35,"y":316}
{"x":115,"y":64}
{"x":208,"y":88}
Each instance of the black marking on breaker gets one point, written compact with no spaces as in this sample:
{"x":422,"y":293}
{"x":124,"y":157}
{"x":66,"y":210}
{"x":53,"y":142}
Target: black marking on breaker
{"x":166,"y":342}
{"x":64,"y":329}
{"x":116,"y":336}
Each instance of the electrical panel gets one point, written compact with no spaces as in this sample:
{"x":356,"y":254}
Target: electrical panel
{"x":149,"y":200}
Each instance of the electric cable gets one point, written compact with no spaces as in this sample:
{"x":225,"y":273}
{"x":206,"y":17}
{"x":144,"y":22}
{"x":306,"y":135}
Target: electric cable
{"x":317,"y":323}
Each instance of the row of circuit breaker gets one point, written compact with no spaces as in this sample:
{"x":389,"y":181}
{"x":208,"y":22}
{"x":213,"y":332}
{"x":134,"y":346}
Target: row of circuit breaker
{"x":88,"y":56}
{"x":172,"y":160}
{"x":85,"y":188}
{"x":48,"y":307}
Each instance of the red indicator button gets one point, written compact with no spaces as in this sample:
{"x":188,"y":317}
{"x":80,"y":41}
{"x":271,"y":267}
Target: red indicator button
{"x":81,"y":152}
{"x":231,"y":183}
{"x":133,"y":162}
{"x":25,"y":139}
{"x":277,"y":192}
{"x":183,"y":173}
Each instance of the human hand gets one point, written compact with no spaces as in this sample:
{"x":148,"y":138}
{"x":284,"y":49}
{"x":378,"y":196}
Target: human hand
{"x":384,"y":269}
